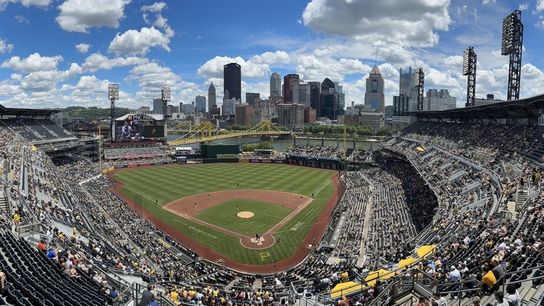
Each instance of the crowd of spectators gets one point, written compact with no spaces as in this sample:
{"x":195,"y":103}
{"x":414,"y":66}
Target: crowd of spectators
{"x":317,"y":152}
{"x":432,"y":186}
{"x":133,"y":153}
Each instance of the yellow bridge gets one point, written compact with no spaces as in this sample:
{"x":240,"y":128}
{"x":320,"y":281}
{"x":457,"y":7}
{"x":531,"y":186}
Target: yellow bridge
{"x":207,"y":131}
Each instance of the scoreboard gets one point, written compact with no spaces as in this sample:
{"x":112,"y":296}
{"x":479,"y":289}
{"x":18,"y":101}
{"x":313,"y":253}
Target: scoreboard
{"x":139,"y":127}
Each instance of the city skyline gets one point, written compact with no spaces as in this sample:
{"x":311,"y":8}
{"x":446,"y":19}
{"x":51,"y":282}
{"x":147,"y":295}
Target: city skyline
{"x":55,"y":54}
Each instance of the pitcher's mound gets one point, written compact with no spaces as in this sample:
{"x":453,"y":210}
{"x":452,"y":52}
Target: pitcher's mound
{"x":245,"y":214}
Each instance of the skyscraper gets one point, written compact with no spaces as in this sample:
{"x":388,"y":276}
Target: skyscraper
{"x":288,"y":82}
{"x":331,"y":102}
{"x":158,"y":106}
{"x":252,"y":98}
{"x":301,"y":93}
{"x":408,"y":80}
{"x":228,"y":107}
{"x":275,"y":85}
{"x":437,"y":100}
{"x":291,"y":116}
{"x":232,"y":79}
{"x":315,"y":91}
{"x":211,"y":97}
{"x":374,"y":97}
{"x":200,"y":103}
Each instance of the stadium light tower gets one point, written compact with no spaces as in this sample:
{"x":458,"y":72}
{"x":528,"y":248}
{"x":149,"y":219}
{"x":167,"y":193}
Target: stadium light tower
{"x":113,"y":94}
{"x":469,"y":69}
{"x":420,"y":88}
{"x":512,"y":45}
{"x":165,"y":96}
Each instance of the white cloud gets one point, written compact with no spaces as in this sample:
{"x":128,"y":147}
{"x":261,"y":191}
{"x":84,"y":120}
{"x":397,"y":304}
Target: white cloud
{"x":39,"y":73}
{"x":401,"y":22}
{"x":540,"y":23}
{"x":45,"y":80}
{"x":5,"y":47}
{"x":249,"y":69}
{"x":316,"y":68}
{"x":487,"y":2}
{"x":80,"y":15}
{"x":90,"y":88}
{"x":523,"y":6}
{"x":34,"y":62}
{"x":152,"y":76}
{"x":271,"y":58}
{"x":154,"y":8}
{"x":21,"y":19}
{"x":83,"y":47}
{"x":98,"y":61}
{"x":26,"y":3}
{"x":540,"y":5}
{"x":139,"y":42}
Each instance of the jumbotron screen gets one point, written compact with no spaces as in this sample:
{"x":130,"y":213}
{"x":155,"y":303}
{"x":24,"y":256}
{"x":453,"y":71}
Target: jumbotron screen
{"x":137,"y":128}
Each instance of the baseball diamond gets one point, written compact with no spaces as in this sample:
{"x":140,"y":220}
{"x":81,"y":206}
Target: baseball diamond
{"x":200,"y":206}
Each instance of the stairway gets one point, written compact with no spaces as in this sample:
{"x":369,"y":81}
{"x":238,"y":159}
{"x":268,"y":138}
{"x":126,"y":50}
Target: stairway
{"x":4,"y":205}
{"x":522,"y":197}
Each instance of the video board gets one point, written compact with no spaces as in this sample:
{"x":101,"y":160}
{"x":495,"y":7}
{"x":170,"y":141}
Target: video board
{"x":138,"y":128}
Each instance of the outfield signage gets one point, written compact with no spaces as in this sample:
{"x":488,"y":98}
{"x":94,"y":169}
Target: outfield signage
{"x":267,"y":161}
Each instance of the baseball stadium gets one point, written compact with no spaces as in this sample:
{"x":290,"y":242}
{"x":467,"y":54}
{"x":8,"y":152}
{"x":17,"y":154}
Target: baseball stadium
{"x":323,"y":222}
{"x":294,"y":199}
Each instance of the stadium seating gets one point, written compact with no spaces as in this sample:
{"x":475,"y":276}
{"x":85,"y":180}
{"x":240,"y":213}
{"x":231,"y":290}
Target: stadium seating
{"x":470,"y":190}
{"x":36,"y":129}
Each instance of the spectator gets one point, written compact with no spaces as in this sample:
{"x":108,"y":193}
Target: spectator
{"x":2,"y":280}
{"x":500,"y":300}
{"x":512,"y":296}
{"x":147,"y":296}
{"x":42,"y":247}
{"x":114,"y":293}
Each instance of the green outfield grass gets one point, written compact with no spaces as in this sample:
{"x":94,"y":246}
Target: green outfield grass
{"x":225,"y":214}
{"x":167,"y":183}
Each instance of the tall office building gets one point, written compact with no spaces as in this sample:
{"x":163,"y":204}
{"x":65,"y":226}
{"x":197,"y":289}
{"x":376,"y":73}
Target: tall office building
{"x":315,"y":91}
{"x":232,"y":79}
{"x":187,"y":108}
{"x":200,"y":103}
{"x":158,"y":107}
{"x":291,"y":116}
{"x":228,"y":107}
{"x":331,"y":102}
{"x":244,"y":113}
{"x":374,"y":96}
{"x":252,"y":98}
{"x":401,"y":105}
{"x":211,"y":97}
{"x":301,"y":93}
{"x":439,"y":100}
{"x":275,"y":85}
{"x":408,"y":80}
{"x":288,"y":82}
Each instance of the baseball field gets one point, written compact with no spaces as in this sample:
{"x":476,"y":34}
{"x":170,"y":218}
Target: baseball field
{"x":249,"y":217}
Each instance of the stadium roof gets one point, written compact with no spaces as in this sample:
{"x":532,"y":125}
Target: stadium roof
{"x":522,"y":108}
{"x":6,"y":111}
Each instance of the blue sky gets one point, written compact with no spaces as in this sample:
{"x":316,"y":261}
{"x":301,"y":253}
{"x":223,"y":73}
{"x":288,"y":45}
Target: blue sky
{"x":183,"y":44}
